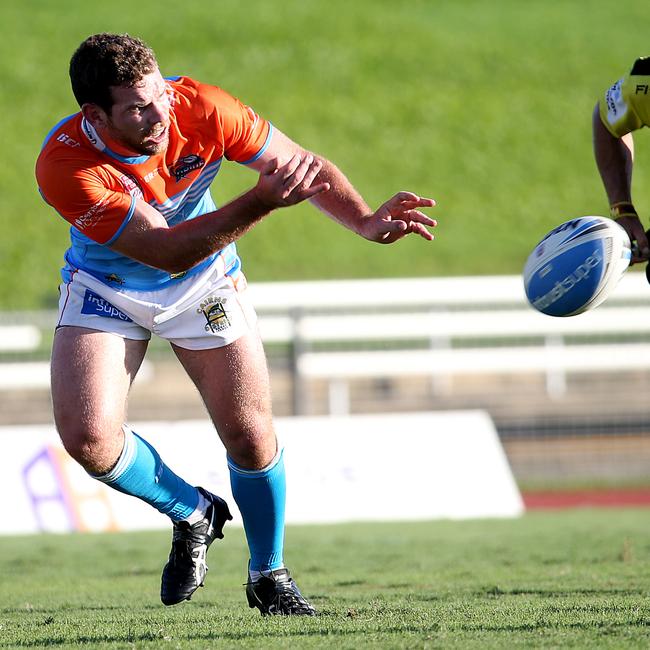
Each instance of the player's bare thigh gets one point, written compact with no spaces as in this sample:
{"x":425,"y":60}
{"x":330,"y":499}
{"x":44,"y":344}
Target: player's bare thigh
{"x":92,"y":372}
{"x":234,"y":384}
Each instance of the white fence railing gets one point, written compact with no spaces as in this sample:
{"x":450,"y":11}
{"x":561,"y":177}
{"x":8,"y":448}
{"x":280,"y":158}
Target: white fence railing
{"x":422,"y":326}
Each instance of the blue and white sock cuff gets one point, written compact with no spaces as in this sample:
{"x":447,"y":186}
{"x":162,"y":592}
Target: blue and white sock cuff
{"x":124,"y":461}
{"x":256,"y":472}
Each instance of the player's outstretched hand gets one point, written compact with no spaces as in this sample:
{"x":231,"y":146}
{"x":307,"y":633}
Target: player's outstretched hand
{"x":283,"y":185}
{"x":399,"y":217}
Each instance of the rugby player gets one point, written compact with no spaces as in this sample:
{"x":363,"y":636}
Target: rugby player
{"x":150,"y":253}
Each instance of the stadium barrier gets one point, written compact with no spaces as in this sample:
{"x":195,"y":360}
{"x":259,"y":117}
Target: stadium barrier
{"x":347,"y":469}
{"x":442,"y":327}
{"x":434,"y":327}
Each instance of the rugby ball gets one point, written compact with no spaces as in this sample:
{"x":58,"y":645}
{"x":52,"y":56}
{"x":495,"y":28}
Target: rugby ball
{"x":576,"y":266}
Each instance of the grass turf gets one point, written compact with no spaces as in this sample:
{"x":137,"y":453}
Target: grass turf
{"x":554,"y":579}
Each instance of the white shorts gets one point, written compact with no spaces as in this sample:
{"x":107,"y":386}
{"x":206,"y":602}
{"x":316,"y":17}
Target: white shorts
{"x":205,"y":311}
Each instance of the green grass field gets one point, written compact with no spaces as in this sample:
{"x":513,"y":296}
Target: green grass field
{"x":572,"y":579}
{"x":484,"y":106}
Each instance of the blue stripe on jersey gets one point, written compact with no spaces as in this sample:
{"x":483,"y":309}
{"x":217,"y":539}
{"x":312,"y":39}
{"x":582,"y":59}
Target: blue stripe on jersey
{"x":263,"y":149}
{"x":128,"y":160}
{"x":55,"y":127}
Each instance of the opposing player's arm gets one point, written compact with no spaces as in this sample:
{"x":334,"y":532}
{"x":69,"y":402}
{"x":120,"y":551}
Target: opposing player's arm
{"x":615,"y":161}
{"x":399,"y":216}
{"x":148,"y":238}
{"x":614,"y":158}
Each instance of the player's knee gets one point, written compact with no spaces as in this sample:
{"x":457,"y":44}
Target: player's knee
{"x":253,"y":448}
{"x":95,"y":448}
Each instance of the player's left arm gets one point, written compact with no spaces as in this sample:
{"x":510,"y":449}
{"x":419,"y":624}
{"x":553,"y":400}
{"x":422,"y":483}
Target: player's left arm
{"x":614,"y":159}
{"x":396,"y":218}
{"x":622,"y":109}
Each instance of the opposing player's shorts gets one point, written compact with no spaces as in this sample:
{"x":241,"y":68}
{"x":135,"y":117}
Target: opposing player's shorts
{"x":208,"y":310}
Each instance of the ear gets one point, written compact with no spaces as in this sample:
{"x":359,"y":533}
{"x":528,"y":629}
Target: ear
{"x":96,"y":115}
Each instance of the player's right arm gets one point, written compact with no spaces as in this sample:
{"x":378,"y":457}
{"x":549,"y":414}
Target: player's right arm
{"x":88,"y":198}
{"x":147,"y":237}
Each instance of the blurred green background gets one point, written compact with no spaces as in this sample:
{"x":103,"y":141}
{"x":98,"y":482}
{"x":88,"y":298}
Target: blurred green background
{"x":484,"y":106}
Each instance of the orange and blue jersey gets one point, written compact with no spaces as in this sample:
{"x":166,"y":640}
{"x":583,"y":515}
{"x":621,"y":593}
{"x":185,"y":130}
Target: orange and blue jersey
{"x":95,"y":189}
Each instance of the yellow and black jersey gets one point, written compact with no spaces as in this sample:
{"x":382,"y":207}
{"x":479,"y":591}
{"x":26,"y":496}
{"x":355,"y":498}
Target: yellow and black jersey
{"x":625,"y":105}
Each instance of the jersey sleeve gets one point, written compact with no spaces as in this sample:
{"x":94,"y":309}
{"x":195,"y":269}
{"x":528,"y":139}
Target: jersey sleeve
{"x":84,"y":197}
{"x":245,"y":134}
{"x":625,"y":105}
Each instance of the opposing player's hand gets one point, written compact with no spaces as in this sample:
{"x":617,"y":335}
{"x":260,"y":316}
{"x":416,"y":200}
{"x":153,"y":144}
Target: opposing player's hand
{"x":399,"y":217}
{"x":291,"y":183}
{"x":638,"y":237}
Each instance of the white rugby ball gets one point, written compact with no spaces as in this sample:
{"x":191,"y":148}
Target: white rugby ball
{"x":576,"y":266}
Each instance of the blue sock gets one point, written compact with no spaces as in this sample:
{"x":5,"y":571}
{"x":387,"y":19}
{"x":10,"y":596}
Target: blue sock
{"x":260,"y":496}
{"x":141,"y":473}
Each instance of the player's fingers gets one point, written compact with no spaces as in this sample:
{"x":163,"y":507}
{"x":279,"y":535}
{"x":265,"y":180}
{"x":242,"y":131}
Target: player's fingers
{"x":420,"y":217}
{"x":287,"y":170}
{"x":313,"y":190}
{"x":298,"y":175}
{"x":421,"y":202}
{"x":392,"y":230}
{"x":311,"y":173}
{"x":401,"y":197}
{"x":421,"y":230}
{"x":642,"y":243}
{"x":303,"y":178}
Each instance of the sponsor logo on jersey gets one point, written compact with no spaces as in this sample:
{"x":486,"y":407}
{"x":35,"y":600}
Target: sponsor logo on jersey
{"x":66,"y":139}
{"x":98,"y":306}
{"x":92,"y":216}
{"x":215,"y":314}
{"x":183,"y":166}
{"x":114,"y":279}
{"x":616,"y":106}
{"x":641,"y":89}
{"x":131,"y":185}
{"x":151,"y":175}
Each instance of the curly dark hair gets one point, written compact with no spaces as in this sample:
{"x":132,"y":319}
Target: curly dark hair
{"x":105,"y":60}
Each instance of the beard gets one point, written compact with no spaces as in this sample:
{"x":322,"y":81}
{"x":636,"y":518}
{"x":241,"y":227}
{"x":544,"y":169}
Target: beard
{"x":142,"y":144}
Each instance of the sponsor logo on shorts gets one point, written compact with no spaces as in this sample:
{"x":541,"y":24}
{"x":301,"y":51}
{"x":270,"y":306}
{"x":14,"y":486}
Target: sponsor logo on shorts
{"x":98,"y":306}
{"x":183,"y":166}
{"x":215,"y":314}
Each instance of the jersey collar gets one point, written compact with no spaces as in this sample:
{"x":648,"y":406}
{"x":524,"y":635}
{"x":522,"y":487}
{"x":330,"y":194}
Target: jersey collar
{"x":98,"y":143}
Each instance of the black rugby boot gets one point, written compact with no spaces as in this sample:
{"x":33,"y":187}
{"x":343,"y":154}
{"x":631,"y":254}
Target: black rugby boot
{"x":185,"y":570}
{"x":278,"y":595}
